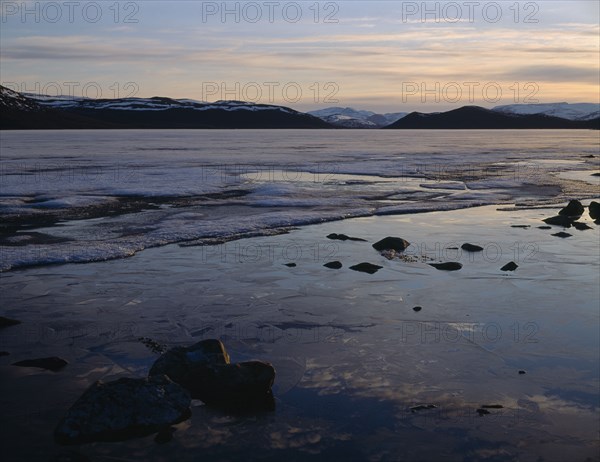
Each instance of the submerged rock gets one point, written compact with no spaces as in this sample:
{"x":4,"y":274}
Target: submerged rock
{"x":52,"y":363}
{"x":594,"y":210}
{"x":365,"y":267}
{"x":511,"y":266}
{"x":204,"y":370}
{"x":573,"y":209}
{"x":391,"y":243}
{"x":482,"y":411}
{"x":447,"y":266}
{"x":559,"y":220}
{"x":343,"y":237}
{"x":562,"y":235}
{"x":333,"y":265}
{"x":290,"y":265}
{"x":471,"y":247}
{"x":123,"y":409}
{"x":417,"y":309}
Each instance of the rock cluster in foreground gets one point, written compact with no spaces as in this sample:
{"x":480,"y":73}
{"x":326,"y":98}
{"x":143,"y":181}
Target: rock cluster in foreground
{"x":131,"y":407}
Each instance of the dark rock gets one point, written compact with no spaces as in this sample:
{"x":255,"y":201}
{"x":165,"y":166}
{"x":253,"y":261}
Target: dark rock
{"x":52,"y":363}
{"x":240,"y":386}
{"x":562,"y":235}
{"x":471,"y":247}
{"x":204,"y":370}
{"x":366,"y":268}
{"x":290,"y":265}
{"x":179,"y":362}
{"x":5,"y":322}
{"x":343,"y":237}
{"x":391,"y":243}
{"x":521,"y":372}
{"x":511,"y":266}
{"x":417,"y":308}
{"x":595,"y":174}
{"x":123,"y":409}
{"x":573,"y":209}
{"x":333,"y":265}
{"x":4,"y":353}
{"x":520,"y":226}
{"x":482,"y":412}
{"x":447,"y":266}
{"x":544,"y":227}
{"x":581,"y":226}
{"x":422,"y":407}
{"x":559,"y":220}
{"x":164,"y":435}
{"x":492,"y":406}
{"x":594,"y":210}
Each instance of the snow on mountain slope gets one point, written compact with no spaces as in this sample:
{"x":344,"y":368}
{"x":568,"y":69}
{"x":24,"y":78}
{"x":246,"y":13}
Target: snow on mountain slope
{"x":345,"y":121}
{"x":150,"y":104}
{"x":353,"y":118}
{"x":10,"y":99}
{"x":576,"y":111}
{"x":342,"y":111}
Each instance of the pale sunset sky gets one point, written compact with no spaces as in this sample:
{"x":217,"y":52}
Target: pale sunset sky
{"x":385,"y":56}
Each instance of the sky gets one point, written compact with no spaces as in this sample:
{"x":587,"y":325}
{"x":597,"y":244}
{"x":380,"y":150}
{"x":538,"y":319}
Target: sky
{"x":384,"y":56}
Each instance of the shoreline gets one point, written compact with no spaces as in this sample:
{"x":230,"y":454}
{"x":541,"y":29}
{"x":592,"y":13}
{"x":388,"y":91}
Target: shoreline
{"x":42,"y":239}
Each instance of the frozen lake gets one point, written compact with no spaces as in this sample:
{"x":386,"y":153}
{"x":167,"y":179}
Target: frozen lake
{"x":353,"y":358}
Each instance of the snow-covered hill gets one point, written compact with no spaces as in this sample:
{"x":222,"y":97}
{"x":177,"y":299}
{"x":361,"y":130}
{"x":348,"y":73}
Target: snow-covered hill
{"x":32,"y":111}
{"x":150,"y":104}
{"x":10,"y":99}
{"x":348,"y":117}
{"x":576,"y":111}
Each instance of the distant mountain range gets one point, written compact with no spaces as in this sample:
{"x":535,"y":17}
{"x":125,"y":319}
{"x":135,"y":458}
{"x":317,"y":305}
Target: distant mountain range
{"x":21,"y":111}
{"x":347,"y":117}
{"x":577,"y":111}
{"x":475,"y":117}
{"x":29,"y":111}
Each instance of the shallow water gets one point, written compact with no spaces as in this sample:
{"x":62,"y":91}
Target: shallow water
{"x":352,"y":357}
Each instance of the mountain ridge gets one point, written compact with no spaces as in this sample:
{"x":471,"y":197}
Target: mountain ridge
{"x":347,"y":117}
{"x":477,"y":118}
{"x":46,"y":112}
{"x":28,"y":111}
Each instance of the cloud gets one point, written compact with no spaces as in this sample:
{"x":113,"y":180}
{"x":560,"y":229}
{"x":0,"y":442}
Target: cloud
{"x":368,"y":55}
{"x":554,"y":73}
